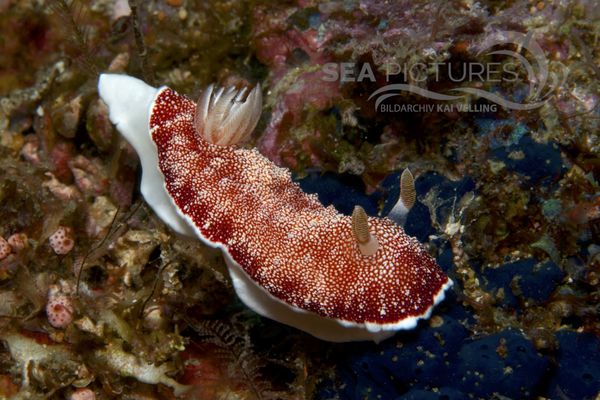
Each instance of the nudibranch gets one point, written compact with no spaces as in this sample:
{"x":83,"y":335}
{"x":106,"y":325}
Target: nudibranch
{"x":340,"y":278}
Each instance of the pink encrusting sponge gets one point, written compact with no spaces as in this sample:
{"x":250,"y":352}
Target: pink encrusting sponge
{"x":62,"y":241}
{"x":59,"y":310}
{"x":5,"y":248}
{"x":291,"y":259}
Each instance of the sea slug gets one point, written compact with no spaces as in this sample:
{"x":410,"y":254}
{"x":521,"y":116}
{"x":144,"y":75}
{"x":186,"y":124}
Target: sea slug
{"x":340,"y":278}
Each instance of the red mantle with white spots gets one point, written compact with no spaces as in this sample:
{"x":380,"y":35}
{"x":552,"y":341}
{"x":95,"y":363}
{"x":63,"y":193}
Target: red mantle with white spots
{"x":285,"y":240}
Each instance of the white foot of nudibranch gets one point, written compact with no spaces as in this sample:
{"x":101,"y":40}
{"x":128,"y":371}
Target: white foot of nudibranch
{"x":129,"y":101}
{"x":328,"y":329}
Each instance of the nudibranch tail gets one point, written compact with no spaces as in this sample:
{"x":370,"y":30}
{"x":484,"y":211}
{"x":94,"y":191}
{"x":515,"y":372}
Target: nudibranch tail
{"x":367,"y":243}
{"x":223,"y":117}
{"x":129,"y":101}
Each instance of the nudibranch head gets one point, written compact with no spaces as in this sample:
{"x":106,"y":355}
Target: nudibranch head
{"x":338,"y":277}
{"x":408,"y":194}
{"x":225,"y":117}
{"x":367,"y":243}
